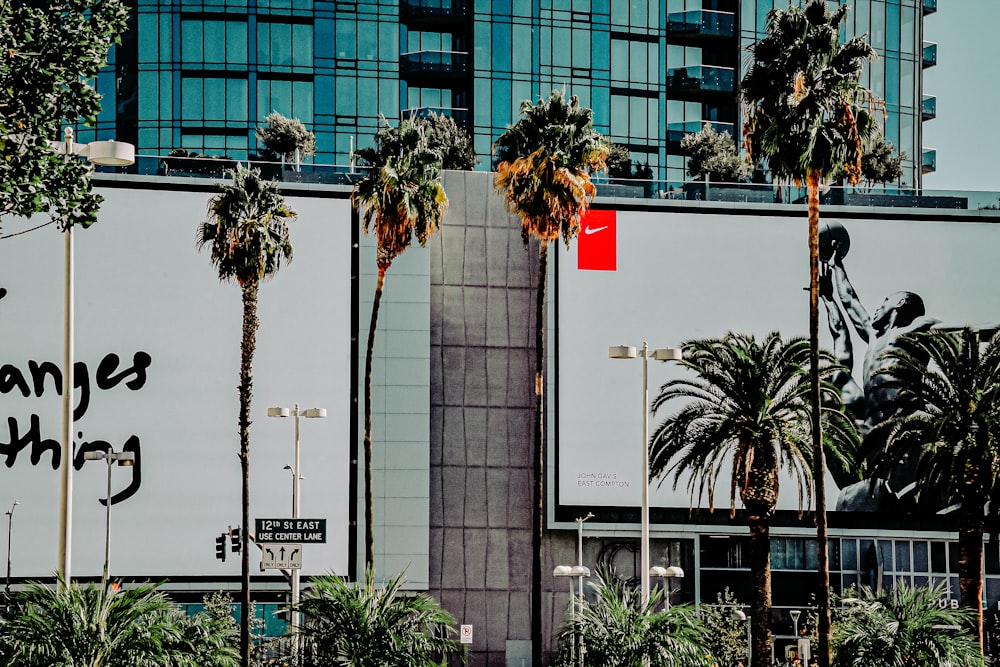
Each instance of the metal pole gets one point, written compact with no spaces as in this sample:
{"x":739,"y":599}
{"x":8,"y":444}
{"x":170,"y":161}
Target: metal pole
{"x":10,"y":522}
{"x":644,"y":516}
{"x":107,"y":526}
{"x":294,"y":616}
{"x":66,"y":458}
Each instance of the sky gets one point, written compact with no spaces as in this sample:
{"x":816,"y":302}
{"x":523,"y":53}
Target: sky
{"x":967,"y":87}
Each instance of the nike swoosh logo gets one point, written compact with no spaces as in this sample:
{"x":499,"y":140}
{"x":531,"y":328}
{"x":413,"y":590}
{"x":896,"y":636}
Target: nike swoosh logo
{"x":593,"y":230}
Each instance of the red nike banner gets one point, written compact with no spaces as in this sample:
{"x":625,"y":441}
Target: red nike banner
{"x":597,"y":244}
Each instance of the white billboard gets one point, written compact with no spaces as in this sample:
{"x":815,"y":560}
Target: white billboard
{"x":157,"y":342}
{"x":671,"y":277}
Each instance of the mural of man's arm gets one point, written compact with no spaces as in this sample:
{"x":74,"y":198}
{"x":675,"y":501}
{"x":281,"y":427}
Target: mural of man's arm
{"x":849,"y":299}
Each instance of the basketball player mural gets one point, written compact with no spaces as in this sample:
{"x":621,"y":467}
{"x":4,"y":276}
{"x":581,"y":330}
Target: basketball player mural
{"x":869,"y":400}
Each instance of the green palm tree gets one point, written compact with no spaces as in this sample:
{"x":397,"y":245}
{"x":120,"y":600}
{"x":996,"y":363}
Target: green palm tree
{"x":808,"y":116}
{"x":746,"y":411}
{"x":545,"y":162}
{"x":374,"y":626}
{"x":618,"y":630}
{"x":906,"y":627}
{"x":247,"y":235}
{"x":947,"y":420}
{"x":402,"y":197}
{"x":104,"y":626}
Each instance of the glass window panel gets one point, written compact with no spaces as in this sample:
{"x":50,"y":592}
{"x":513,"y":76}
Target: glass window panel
{"x":902,"y":556}
{"x":850,"y":580}
{"x":892,"y":80}
{"x":368,"y":41}
{"x":952,"y":557}
{"x":281,"y":45}
{"x":149,"y":94}
{"x":992,"y":590}
{"x":938,"y":559}
{"x":521,"y":57}
{"x":215,"y":42}
{"x":237,"y":100}
{"x":848,"y":554}
{"x":191,"y":102}
{"x":561,"y":56}
{"x":920,"y":560}
{"x":581,"y":49}
{"x":892,"y":27}
{"x":215,"y":99}
{"x":236,"y":42}
{"x":302,"y":45}
{"x":501,"y":47}
{"x":920,"y":581}
{"x":346,"y":42}
{"x":264,"y":43}
{"x":191,"y":42}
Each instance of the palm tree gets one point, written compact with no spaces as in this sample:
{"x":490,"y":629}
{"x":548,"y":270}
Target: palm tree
{"x":808,"y":116}
{"x":102,"y":626}
{"x":402,"y":198}
{"x":947,"y":420}
{"x":745,"y":412}
{"x":545,"y":161}
{"x":906,"y":627}
{"x":374,"y":626}
{"x":247,"y":235}
{"x":619,"y":630}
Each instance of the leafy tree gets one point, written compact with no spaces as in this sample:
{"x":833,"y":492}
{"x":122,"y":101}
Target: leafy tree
{"x":808,"y":116}
{"x":402,"y":198}
{"x":746,"y":410}
{"x":621,"y":165}
{"x":247,"y":234}
{"x":880,"y":162}
{"x":905,"y":627}
{"x":618,"y":630}
{"x":286,"y":138}
{"x":454,"y":143}
{"x":101,"y":626}
{"x":714,"y":156}
{"x":47,"y":60}
{"x":545,"y":161}
{"x":374,"y":626}
{"x":946,"y":417}
{"x":727,"y":634}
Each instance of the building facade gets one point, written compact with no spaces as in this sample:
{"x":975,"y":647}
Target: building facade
{"x":202,"y":74}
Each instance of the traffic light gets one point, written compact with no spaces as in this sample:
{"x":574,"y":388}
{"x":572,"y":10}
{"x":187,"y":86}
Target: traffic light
{"x":220,"y":547}
{"x":234,"y":535}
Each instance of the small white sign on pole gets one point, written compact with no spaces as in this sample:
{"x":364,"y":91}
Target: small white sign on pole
{"x":465,"y":634}
{"x":281,"y":556}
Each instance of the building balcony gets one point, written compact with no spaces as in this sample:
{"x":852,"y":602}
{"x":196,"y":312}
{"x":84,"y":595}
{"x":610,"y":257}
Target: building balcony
{"x":930,"y":6}
{"x":677,"y":131}
{"x":701,"y":23}
{"x":701,"y":79}
{"x":928,"y":161}
{"x":415,"y":13}
{"x":928,"y":107}
{"x":930,"y":54}
{"x":433,"y":65}
{"x":459,"y":115}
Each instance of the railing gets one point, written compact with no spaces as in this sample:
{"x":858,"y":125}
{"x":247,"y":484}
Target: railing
{"x":677,"y":131}
{"x":928,"y":161}
{"x":704,"y":78}
{"x":928,"y":107}
{"x":701,"y":22}
{"x":416,"y":9}
{"x":930,"y":54}
{"x":434,"y":62}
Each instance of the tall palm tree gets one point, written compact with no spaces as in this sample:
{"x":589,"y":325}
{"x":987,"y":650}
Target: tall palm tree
{"x":947,"y":420}
{"x":545,"y":162}
{"x":100,"y":626}
{"x":619,"y":630}
{"x":808,"y":116}
{"x":247,"y":235}
{"x":745,"y":411}
{"x":374,"y":626}
{"x":906,"y":627}
{"x":402,"y":197}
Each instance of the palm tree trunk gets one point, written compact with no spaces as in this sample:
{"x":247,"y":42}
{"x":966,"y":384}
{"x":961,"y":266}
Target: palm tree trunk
{"x":970,"y":561}
{"x":819,"y":460}
{"x":249,"y":344}
{"x":369,"y":354}
{"x":538,"y":483}
{"x":760,"y":571}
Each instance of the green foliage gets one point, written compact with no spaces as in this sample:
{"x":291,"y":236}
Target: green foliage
{"x":807,"y":110}
{"x":880,"y":163}
{"x":906,"y":627}
{"x":445,"y":136}
{"x":283,"y":136}
{"x":621,"y":165}
{"x":727,"y":634}
{"x":619,"y":631}
{"x":73,"y":626}
{"x":715,"y":156}
{"x":247,"y":230}
{"x":48,"y":60}
{"x":370,"y":625}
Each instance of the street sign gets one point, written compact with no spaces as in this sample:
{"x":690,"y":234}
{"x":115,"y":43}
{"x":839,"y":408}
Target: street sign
{"x":290,"y":530}
{"x":465,"y":634}
{"x":281,"y":557}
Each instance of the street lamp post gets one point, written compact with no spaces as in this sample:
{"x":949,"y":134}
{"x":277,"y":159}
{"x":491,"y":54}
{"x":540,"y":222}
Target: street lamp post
{"x":741,"y":615}
{"x":661,"y":354}
{"x":571,"y":571}
{"x":667,"y":573}
{"x":123,"y":459}
{"x":10,"y":523}
{"x":311,"y":413}
{"x":112,"y":154}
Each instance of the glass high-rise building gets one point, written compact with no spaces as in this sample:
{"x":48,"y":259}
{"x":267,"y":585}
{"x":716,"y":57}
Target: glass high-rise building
{"x":202,"y":74}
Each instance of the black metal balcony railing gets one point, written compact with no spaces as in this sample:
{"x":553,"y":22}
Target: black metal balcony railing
{"x":928,"y":161}
{"x":704,"y":78}
{"x":434,"y":62}
{"x":677,"y":131}
{"x":930,"y":54}
{"x":439,"y":9}
{"x":706,"y":23}
{"x":930,"y":6}
{"x":458,"y":114}
{"x":928,"y":107}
